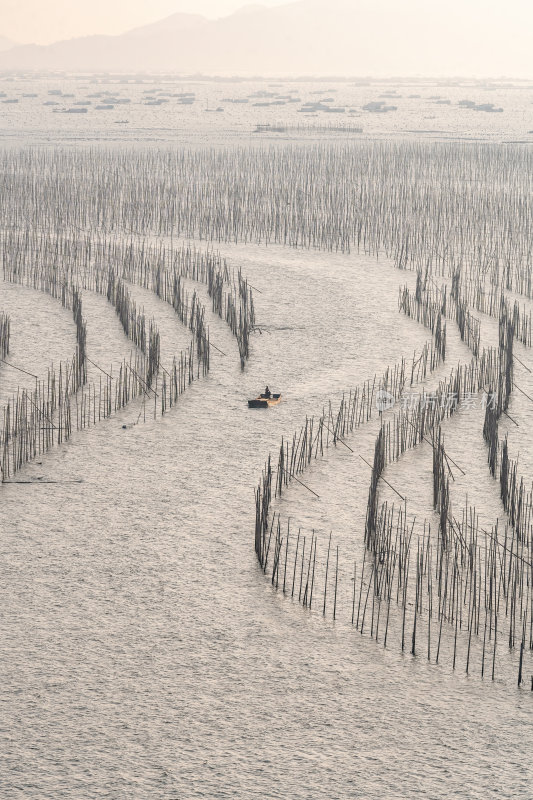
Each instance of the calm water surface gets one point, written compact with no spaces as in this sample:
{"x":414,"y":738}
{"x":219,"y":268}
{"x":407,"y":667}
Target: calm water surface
{"x":143,"y":652}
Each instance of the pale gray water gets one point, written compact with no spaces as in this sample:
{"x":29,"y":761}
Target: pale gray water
{"x":145,"y":655}
{"x":425,"y":109}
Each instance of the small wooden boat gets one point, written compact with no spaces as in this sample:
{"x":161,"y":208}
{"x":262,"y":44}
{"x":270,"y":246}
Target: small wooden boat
{"x":264,"y":402}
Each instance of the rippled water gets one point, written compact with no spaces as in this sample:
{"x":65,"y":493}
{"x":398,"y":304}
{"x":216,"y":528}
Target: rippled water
{"x":143,"y":652}
{"x":145,"y":655}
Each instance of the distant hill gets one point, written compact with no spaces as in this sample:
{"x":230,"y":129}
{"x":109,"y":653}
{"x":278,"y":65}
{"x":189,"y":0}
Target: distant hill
{"x":177,"y":23}
{"x":313,"y":37}
{"x":6,"y":44}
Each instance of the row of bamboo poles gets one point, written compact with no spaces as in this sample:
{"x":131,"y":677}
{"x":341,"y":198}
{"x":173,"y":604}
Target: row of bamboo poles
{"x":516,"y":499}
{"x":483,"y":573}
{"x":490,"y":299}
{"x":35,"y":420}
{"x":57,"y":264}
{"x":40,"y":418}
{"x":429,"y":313}
{"x":466,"y":600}
{"x":355,"y":409}
{"x":502,"y":566}
{"x":46,"y":261}
{"x":436,"y":205}
{"x":5,"y":332}
{"x":455,"y":570}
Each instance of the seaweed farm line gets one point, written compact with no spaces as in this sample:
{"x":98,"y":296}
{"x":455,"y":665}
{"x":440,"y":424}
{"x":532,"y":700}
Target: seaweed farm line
{"x":329,"y":598}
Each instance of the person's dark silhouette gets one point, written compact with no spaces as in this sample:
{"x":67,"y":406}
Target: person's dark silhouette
{"x":268,"y":393}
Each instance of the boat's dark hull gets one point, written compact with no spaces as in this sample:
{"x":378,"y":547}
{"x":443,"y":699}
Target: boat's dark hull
{"x":257,"y":404}
{"x":264,"y":402}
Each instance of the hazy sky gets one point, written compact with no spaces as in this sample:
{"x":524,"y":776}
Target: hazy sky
{"x":45,"y":21}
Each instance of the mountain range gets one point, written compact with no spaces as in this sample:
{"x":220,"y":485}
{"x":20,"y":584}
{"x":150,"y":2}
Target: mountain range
{"x":483,"y":38}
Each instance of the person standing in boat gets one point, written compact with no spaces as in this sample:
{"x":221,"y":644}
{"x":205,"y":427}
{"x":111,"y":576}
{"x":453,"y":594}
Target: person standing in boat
{"x":268,"y":393}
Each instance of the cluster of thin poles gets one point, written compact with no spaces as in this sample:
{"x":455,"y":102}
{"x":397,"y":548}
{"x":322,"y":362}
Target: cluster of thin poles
{"x":5,"y":332}
{"x":37,"y":419}
{"x":441,"y":205}
{"x":461,"y":214}
{"x":468,"y":597}
{"x":100,"y":262}
{"x":475,"y":582}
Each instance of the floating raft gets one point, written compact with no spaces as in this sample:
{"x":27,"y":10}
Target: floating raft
{"x":264,"y":402}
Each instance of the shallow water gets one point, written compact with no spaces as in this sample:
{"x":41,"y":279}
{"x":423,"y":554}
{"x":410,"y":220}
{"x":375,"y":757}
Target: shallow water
{"x":145,"y":655}
{"x":143,"y":652}
{"x":42,"y":334}
{"x":424,"y":109}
